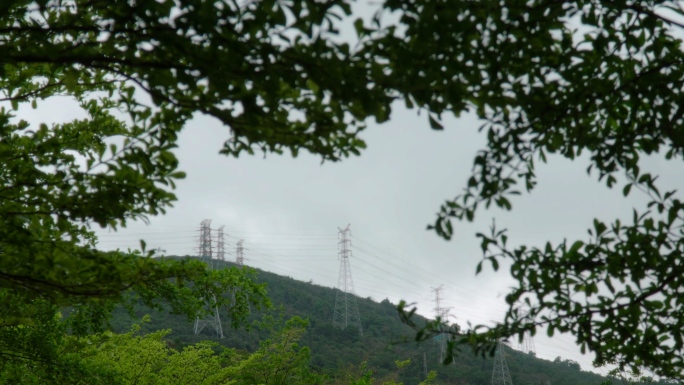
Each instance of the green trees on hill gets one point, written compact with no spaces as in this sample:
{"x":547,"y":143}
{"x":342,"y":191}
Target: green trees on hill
{"x":145,"y":359}
{"x":339,"y":353}
{"x":38,"y":343}
{"x":163,"y":349}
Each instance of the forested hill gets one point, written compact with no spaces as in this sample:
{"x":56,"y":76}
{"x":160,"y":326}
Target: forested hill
{"x":340,"y":352}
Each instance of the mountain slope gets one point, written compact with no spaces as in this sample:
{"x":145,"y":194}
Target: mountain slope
{"x":338,"y":352}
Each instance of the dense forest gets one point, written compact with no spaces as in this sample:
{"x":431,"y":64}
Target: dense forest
{"x":340,"y":353}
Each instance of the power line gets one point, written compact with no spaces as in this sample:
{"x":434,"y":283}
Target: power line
{"x":298,"y":247}
{"x":413,"y":269}
{"x":400,"y":283}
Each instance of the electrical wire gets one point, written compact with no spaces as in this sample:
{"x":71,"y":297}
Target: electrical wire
{"x":300,"y":256}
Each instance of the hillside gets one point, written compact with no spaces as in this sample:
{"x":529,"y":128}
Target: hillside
{"x":337,"y":351}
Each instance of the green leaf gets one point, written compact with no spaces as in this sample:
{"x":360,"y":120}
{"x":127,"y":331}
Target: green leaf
{"x":495,"y":263}
{"x":434,"y":124}
{"x":576,"y":246}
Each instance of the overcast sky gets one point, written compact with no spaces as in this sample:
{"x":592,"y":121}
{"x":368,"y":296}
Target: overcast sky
{"x":288,"y":212}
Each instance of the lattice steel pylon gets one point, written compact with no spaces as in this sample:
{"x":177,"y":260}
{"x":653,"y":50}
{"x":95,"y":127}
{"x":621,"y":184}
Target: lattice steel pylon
{"x":443,"y":314}
{"x":527,"y":343}
{"x":500,"y":374}
{"x":220,"y":244}
{"x":205,"y":251}
{"x":239,"y":253}
{"x":213,"y":320}
{"x":206,"y":255}
{"x":346,"y":308}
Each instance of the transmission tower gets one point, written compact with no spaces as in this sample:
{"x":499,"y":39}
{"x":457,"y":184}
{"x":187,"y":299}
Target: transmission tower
{"x":220,"y":244}
{"x":346,"y":309}
{"x":443,"y":314}
{"x":205,"y":254}
{"x":527,"y":343}
{"x":213,"y":320}
{"x":240,"y":261}
{"x":205,"y":250}
{"x":501,"y":375}
{"x":239,"y":256}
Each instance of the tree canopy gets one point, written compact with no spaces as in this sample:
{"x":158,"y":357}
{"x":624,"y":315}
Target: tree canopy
{"x":136,"y":358}
{"x":545,"y":77}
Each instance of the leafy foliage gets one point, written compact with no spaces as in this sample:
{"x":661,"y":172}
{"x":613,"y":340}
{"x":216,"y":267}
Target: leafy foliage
{"x":148,"y":359}
{"x":44,"y":349}
{"x":366,"y":377}
{"x":546,"y":77}
{"x":251,"y":66}
{"x":279,"y":361}
{"x":42,"y":353}
{"x":567,"y":78}
{"x":113,"y":166}
{"x":136,"y":358}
